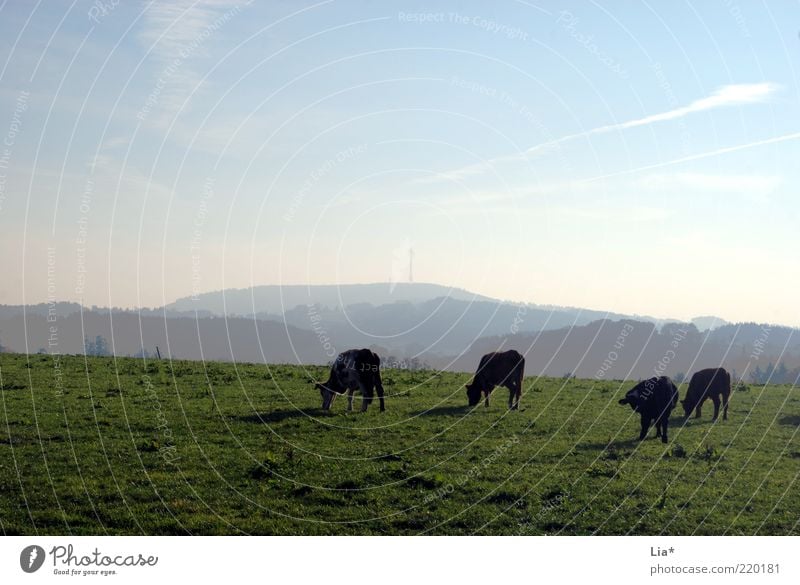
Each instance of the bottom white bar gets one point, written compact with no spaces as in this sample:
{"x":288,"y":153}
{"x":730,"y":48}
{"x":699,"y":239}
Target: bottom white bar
{"x":354,"y":560}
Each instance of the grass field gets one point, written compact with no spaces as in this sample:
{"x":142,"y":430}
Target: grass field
{"x":114,"y":446}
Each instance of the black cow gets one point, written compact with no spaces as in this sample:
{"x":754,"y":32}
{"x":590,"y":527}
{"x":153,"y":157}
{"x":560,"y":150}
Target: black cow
{"x":654,"y":399}
{"x":504,"y":368}
{"x":353,"y":369}
{"x":710,"y":383}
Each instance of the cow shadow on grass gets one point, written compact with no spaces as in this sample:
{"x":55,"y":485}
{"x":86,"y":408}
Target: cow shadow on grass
{"x":677,"y":423}
{"x":444,"y":411}
{"x":604,"y":445}
{"x":276,"y":416}
{"x":792,"y":420}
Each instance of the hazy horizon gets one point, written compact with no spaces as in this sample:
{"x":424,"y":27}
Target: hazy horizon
{"x":626,"y":158}
{"x":479,"y":297}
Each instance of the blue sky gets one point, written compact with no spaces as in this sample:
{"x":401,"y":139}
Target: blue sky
{"x":638,"y":158}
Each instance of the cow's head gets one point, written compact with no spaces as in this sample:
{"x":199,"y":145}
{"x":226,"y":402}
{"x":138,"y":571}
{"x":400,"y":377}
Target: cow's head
{"x":632,"y":398}
{"x":473,"y":394}
{"x":687,"y":407}
{"x":675,"y":396}
{"x":328,"y":395}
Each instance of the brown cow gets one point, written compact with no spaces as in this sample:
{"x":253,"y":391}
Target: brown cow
{"x":710,"y":383}
{"x":505,"y":368}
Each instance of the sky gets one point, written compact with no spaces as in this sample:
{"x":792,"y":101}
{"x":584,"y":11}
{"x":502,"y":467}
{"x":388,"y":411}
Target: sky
{"x":631,"y":157}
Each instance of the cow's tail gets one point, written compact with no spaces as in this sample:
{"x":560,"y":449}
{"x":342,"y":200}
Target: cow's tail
{"x":520,"y":376}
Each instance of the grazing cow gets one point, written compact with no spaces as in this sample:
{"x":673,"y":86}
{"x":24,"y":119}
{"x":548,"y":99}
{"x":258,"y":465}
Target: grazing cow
{"x":710,"y":383}
{"x":504,"y":368}
{"x":353,"y":369}
{"x":654,"y":399}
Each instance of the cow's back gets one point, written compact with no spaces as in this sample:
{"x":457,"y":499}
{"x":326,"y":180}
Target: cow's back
{"x":709,"y":382}
{"x":654,"y":395}
{"x":353,"y":367}
{"x":497,"y":367}
{"x":673,"y":393}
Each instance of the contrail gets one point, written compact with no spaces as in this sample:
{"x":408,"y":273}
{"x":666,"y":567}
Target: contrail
{"x":727,"y":95}
{"x":784,"y":138}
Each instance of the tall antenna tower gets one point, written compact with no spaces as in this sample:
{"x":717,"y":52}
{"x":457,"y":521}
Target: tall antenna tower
{"x":411,"y":264}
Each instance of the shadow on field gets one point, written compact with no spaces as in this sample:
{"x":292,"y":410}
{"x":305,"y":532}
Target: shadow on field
{"x":274,"y":416}
{"x":602,"y":446}
{"x":792,"y":420}
{"x":676,"y":422}
{"x":443,"y":411}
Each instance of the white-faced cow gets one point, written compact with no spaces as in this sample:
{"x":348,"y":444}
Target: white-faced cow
{"x":713,"y":383}
{"x":654,"y":399}
{"x":353,"y":369}
{"x":504,"y":368}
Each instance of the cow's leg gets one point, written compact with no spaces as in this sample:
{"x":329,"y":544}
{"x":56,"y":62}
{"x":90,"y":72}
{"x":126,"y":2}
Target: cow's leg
{"x":645,"y":428}
{"x":379,"y":387}
{"x":514,"y":393}
{"x":697,"y":412}
{"x":486,"y":393}
{"x":725,"y":406}
{"x":715,"y":400}
{"x":366,"y":396}
{"x":664,"y":425}
{"x":350,"y":400}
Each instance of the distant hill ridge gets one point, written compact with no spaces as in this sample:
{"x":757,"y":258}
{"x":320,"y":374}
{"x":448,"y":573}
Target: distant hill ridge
{"x":277,"y":298}
{"x":444,"y":327}
{"x":407,"y":317}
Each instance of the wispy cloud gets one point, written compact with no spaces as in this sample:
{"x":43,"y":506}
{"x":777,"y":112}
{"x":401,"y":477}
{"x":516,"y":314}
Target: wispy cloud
{"x":508,"y":201}
{"x":457,"y":175}
{"x":177,"y":32}
{"x":728,"y":95}
{"x":695,"y":157}
{"x":616,"y":214}
{"x":753,"y":187}
{"x":712,"y":182}
{"x":725,"y":96}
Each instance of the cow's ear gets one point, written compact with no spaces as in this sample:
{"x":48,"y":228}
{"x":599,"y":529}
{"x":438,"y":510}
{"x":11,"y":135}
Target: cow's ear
{"x":623,"y":401}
